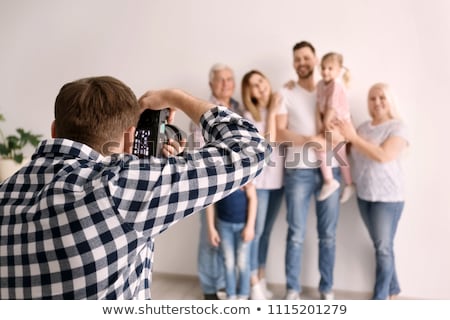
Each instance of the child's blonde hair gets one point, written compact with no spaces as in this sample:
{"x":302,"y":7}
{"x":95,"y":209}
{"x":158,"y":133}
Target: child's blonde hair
{"x":345,"y":74}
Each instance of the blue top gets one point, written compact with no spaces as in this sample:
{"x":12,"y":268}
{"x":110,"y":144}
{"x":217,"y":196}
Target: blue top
{"x":233,"y":208}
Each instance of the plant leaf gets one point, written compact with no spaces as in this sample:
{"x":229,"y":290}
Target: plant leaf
{"x":4,"y":150}
{"x":18,"y":158}
{"x":13,"y":142}
{"x":11,"y":146}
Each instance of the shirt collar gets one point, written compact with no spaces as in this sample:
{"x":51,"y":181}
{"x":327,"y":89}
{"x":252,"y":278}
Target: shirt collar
{"x":234,"y":104}
{"x":66,"y":148}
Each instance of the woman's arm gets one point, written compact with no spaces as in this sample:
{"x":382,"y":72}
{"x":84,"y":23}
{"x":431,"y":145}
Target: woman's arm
{"x":387,"y":151}
{"x":271,"y":127}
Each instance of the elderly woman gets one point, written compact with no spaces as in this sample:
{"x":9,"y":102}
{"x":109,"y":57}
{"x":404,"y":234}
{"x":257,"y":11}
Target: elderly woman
{"x":376,"y":150}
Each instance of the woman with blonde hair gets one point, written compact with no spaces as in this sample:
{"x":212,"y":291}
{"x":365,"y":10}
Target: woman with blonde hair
{"x":262,"y":105}
{"x":377,"y":146}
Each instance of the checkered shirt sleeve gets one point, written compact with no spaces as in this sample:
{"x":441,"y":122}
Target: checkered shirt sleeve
{"x":77,"y":225}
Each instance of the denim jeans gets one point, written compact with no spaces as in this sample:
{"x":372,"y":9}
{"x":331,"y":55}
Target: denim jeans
{"x":381,"y":220}
{"x":211,"y":269}
{"x":300,"y":185}
{"x":236,"y":254}
{"x":269,"y":203}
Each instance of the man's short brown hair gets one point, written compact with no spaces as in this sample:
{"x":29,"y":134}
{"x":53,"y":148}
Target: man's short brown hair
{"x":304,"y":44}
{"x":95,"y":111}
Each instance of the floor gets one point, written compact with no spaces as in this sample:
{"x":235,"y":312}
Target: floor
{"x":183,"y":287}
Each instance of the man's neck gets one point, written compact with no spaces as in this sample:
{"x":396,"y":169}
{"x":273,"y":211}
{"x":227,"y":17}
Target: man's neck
{"x":308,"y":83}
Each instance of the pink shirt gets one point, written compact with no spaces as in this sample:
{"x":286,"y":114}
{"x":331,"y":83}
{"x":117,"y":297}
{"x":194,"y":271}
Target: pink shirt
{"x":333,"y":95}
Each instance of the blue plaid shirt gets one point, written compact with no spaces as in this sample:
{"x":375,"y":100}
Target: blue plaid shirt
{"x":77,"y":225}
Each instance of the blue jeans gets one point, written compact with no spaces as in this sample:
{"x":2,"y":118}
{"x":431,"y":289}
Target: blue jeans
{"x":211,"y":269}
{"x":300,"y":185}
{"x":236,"y":254}
{"x":269,"y":203}
{"x":381,"y":220}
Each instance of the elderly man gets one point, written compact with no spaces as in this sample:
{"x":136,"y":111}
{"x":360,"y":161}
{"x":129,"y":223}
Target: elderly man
{"x":211,"y":269}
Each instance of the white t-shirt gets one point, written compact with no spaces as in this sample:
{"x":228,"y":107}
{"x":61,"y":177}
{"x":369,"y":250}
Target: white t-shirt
{"x":300,"y":107}
{"x":376,"y":181}
{"x":271,"y":176}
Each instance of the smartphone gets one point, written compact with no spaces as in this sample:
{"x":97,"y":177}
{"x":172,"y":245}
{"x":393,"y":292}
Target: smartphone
{"x":150,"y":133}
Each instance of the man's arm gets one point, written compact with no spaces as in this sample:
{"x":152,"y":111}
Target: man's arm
{"x":193,"y":107}
{"x":328,"y":119}
{"x":152,"y":195}
{"x":286,"y":135}
{"x":319,"y":120}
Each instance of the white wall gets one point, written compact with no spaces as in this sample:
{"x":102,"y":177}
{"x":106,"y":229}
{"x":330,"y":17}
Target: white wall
{"x":172,"y":43}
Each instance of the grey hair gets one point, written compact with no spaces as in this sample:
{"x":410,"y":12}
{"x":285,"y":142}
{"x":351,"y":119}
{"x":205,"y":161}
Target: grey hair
{"x":218,"y":67}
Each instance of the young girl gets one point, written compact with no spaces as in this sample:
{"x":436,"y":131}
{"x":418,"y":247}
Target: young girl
{"x":235,"y":231}
{"x":332,"y":104}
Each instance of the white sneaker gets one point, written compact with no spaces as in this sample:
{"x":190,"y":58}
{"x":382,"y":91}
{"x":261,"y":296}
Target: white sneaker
{"x":221,"y":295}
{"x":292,"y":295}
{"x":257,"y":292}
{"x":242,"y":298}
{"x":327,"y":295}
{"x":328,"y":189}
{"x":348,"y":191}
{"x":267,"y":292}
{"x":232,"y":298}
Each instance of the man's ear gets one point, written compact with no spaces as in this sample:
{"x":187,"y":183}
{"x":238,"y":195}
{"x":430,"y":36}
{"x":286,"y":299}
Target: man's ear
{"x":128,"y":139}
{"x":53,"y":129}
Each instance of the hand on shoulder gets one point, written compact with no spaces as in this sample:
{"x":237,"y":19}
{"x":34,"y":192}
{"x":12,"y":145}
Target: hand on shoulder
{"x":289,"y":85}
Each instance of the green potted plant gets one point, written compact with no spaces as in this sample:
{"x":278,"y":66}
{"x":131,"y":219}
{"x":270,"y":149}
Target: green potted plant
{"x":11,"y":149}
